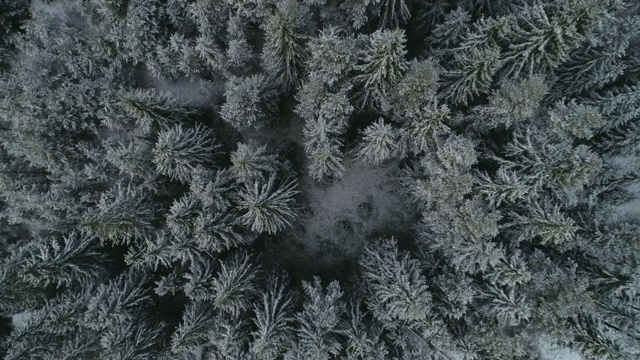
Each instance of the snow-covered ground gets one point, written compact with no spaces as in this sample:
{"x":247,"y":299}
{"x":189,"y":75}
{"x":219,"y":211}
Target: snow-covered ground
{"x":549,"y":351}
{"x":340,"y":216}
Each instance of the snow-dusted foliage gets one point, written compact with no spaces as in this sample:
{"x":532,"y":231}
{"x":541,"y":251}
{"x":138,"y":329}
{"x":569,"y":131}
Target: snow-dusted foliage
{"x":319,"y":180}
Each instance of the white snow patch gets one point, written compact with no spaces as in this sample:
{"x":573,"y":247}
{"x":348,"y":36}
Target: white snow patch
{"x":550,"y":351}
{"x":197,"y":93}
{"x":344,"y":213}
{"x":629,"y":210}
{"x":20,"y":320}
{"x":57,"y":8}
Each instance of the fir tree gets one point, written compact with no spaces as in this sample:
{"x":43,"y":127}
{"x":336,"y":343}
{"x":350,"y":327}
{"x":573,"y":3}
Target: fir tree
{"x":423,"y":127}
{"x":219,"y":231}
{"x":122,"y":214}
{"x":320,"y":321}
{"x":364,"y":339}
{"x":249,"y":102}
{"x":331,"y":58}
{"x":234,"y":284}
{"x":151,"y":109}
{"x":117,"y":301}
{"x":273,"y":321}
{"x":284,"y":54}
{"x":251,"y":162}
{"x":469,"y":75}
{"x":228,"y":338}
{"x":197,"y":320}
{"x":133,"y":158}
{"x":268,"y":206}
{"x":514,"y":126}
{"x":512,"y":104}
{"x":539,"y":41}
{"x":393,"y":13}
{"x":378,"y":144}
{"x":73,"y":260}
{"x":134,"y":341}
{"x":452,"y":30}
{"x":418,"y":86}
{"x":179,"y":151}
{"x":382,"y":65}
{"x":397,"y":289}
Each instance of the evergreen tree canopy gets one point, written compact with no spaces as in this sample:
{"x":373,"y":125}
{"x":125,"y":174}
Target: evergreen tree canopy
{"x":319,"y":179}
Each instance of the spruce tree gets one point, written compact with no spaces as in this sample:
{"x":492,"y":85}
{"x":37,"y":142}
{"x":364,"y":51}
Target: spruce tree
{"x":284,"y":54}
{"x":398,"y":290}
{"x":379,"y":143}
{"x":249,"y":102}
{"x":273,"y":320}
{"x":268,"y":206}
{"x":320,"y":321}
{"x":179,"y":151}
{"x":381,"y":66}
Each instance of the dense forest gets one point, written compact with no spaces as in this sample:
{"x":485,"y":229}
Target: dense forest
{"x":319,"y":179}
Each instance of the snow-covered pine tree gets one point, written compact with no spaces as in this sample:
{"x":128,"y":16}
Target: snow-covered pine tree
{"x":284,"y":54}
{"x":268,"y":205}
{"x":381,"y":66}
{"x":273,"y":320}
{"x":180,"y":150}
{"x":249,"y":102}
{"x":320,"y":322}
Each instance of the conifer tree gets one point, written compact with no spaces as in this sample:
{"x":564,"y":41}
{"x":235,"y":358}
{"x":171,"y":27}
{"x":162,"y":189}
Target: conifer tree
{"x":599,"y":61}
{"x":117,"y":301}
{"x":364,"y":338}
{"x":268,"y":206}
{"x":214,"y":189}
{"x":397,"y":289}
{"x":251,"y":162}
{"x":421,"y":129}
{"x":284,"y":54}
{"x":320,"y":321}
{"x":234,"y":285}
{"x":16,"y":294}
{"x":452,"y":30}
{"x":74,"y":259}
{"x":393,"y":13}
{"x":507,"y":306}
{"x":197,"y":320}
{"x":512,"y":104}
{"x":218,"y":231}
{"x":549,"y":224}
{"x":249,"y":102}
{"x":418,"y":86}
{"x":151,"y":109}
{"x":331,"y":58}
{"x":228,"y":338}
{"x":123,"y":213}
{"x":326,"y":117}
{"x":179,"y":151}
{"x":469,"y":75}
{"x":540,"y":39}
{"x":378,"y":144}
{"x":326,"y":161}
{"x":162,"y":248}
{"x":382,"y":65}
{"x":239,"y":52}
{"x":51,"y":331}
{"x":273,"y":321}
{"x":183,"y":214}
{"x":457,"y":295}
{"x":133,"y":158}
{"x":619,"y":106}
{"x":514,"y":126}
{"x":134,"y":341}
